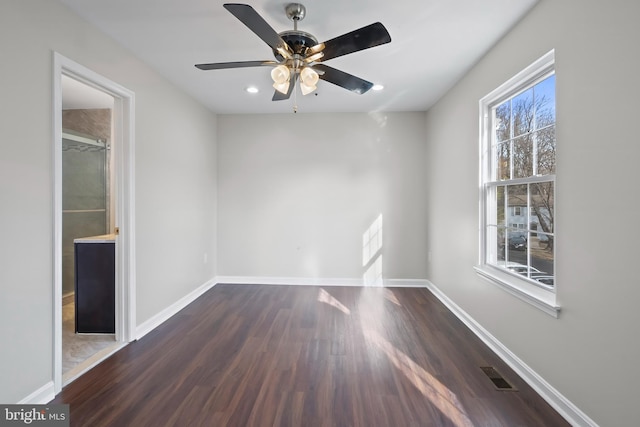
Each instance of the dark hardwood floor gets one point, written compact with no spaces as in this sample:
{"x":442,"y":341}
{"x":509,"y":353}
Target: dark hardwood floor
{"x":252,"y":355}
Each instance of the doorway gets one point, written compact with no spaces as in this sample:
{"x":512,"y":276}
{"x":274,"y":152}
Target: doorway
{"x":87,"y":198}
{"x":93,"y":196}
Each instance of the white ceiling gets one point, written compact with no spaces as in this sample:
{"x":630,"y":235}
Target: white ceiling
{"x":434,"y":42}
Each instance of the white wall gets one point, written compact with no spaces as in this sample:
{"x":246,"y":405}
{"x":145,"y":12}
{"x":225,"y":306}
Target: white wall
{"x":296,"y":192}
{"x":591,"y":353}
{"x":175,"y":183}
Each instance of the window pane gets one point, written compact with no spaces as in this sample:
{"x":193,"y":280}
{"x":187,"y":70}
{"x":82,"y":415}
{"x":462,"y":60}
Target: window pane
{"x":545,"y":99}
{"x":542,"y":206}
{"x":502,"y":155}
{"x":495,"y":244}
{"x":517,"y":259}
{"x":522,"y":113}
{"x":500,"y":192}
{"x":542,"y":259}
{"x":516,"y":197}
{"x":503,"y":122}
{"x":523,"y":157}
{"x":546,"y":142}
{"x":500,"y":243}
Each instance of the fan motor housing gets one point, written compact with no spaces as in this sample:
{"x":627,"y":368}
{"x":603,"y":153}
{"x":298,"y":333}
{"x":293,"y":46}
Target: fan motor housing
{"x":298,"y":41}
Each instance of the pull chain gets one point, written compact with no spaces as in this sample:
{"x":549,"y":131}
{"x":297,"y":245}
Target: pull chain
{"x":295,"y":95}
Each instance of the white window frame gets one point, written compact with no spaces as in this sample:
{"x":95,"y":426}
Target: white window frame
{"x":540,"y":297}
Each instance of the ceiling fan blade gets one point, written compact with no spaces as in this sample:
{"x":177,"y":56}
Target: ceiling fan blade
{"x":240,"y":64}
{"x":360,"y":39}
{"x":279,"y":96}
{"x":342,"y":79}
{"x":249,"y":17}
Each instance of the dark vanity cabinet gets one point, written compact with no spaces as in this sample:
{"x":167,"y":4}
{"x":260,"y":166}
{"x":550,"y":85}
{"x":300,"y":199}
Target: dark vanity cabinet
{"x":95,"y":291}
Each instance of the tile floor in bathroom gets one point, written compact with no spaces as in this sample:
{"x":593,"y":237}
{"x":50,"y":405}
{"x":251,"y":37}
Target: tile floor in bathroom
{"x":77,"y":349}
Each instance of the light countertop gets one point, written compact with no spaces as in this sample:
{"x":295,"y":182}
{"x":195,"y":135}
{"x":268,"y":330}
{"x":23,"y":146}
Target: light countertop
{"x":105,"y":238}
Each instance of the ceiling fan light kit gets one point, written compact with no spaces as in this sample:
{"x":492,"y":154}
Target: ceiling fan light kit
{"x":299,"y":55}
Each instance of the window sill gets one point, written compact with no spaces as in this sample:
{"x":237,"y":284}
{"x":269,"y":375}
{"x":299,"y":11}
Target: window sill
{"x":542,"y":299}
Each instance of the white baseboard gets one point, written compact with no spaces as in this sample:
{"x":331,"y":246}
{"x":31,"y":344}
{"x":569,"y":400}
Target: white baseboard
{"x":155,"y":321}
{"x":44,"y":394}
{"x":405,"y":283}
{"x":566,"y":408}
{"x":306,"y":281}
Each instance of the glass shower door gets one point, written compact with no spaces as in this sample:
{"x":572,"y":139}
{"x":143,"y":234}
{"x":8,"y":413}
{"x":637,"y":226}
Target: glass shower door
{"x":85,"y":201}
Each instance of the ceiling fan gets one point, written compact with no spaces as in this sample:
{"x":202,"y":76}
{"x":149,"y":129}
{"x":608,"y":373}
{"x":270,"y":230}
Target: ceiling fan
{"x":298,"y":54}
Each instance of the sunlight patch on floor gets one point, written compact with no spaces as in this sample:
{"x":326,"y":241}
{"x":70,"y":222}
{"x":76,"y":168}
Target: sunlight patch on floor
{"x":443,"y":398}
{"x":391,"y":297}
{"x":327,"y":298}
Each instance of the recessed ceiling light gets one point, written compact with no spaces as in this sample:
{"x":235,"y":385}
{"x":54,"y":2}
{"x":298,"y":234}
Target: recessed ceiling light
{"x":377,"y":87}
{"x":252,"y":89}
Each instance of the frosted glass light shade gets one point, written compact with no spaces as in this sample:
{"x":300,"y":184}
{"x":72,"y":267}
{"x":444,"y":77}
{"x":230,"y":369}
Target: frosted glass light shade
{"x":306,"y":89}
{"x":282,"y":87}
{"x":309,"y":77}
{"x":280,"y":74}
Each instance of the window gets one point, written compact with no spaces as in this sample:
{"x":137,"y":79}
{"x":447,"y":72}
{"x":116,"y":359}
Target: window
{"x":518,"y":170}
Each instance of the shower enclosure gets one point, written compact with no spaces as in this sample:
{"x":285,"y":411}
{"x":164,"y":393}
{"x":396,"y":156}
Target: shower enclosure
{"x":85,"y":195}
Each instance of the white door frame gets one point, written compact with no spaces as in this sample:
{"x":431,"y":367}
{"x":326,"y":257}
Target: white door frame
{"x":123,"y":152}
